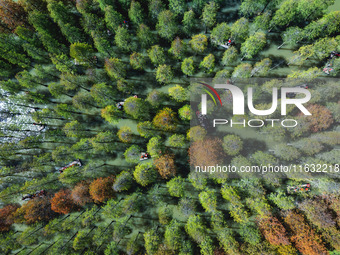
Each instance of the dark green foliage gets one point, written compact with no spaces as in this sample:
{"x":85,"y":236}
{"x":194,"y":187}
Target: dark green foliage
{"x":136,"y":13}
{"x":136,"y":107}
{"x":166,"y":26}
{"x":123,"y":181}
{"x":113,"y":18}
{"x":188,"y":22}
{"x":132,"y":154}
{"x":209,"y":14}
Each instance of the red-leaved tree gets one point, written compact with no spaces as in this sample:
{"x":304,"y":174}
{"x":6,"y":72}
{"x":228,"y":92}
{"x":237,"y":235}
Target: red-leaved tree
{"x":6,"y":216}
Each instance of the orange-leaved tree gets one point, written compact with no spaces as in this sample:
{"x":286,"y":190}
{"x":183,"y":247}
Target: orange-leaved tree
{"x":101,"y":189}
{"x":62,"y":202}
{"x":37,"y":209}
{"x":207,"y":152}
{"x":12,"y":15}
{"x":273,"y":231}
{"x":306,"y":240}
{"x":165,"y":165}
{"x":320,"y":119}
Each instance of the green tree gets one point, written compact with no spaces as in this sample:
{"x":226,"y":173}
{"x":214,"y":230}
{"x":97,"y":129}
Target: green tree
{"x":125,"y":134}
{"x":136,"y":13}
{"x":112,"y":249}
{"x":228,"y":242}
{"x":136,"y":107}
{"x":176,"y":187}
{"x":282,"y":201}
{"x":285,"y":14}
{"x":132,"y":154}
{"x":137,"y":61}
{"x":209,"y":14}
{"x":253,"y":45}
{"x":45,"y":29}
{"x":166,"y":25}
{"x":262,"y":21}
{"x":187,"y":66}
{"x":156,"y":55}
{"x":220,"y":34}
{"x":208,"y":63}
{"x":74,"y":129}
{"x":232,"y":144}
{"x":188,"y":22}
{"x":123,"y":39}
{"x":242,"y":71}
{"x":177,"y":6}
{"x":240,"y":30}
{"x":145,"y":36}
{"x":185,"y":112}
{"x":155,"y":8}
{"x":111,"y":114}
{"x":286,"y":152}
{"x":173,"y":235}
{"x":263,"y":158}
{"x":155,"y":146}
{"x":230,"y":56}
{"x":199,"y":43}
{"x":155,"y":98}
{"x":11,"y":51}
{"x":301,"y":55}
{"x":145,"y":174}
{"x":309,"y":146}
{"x":250,"y":233}
{"x":177,"y":48}
{"x":152,"y":241}
{"x":251,"y":8}
{"x":187,"y":206}
{"x":102,"y":94}
{"x":222,"y":75}
{"x":66,"y":20}
{"x":208,"y":200}
{"x":83,"y":100}
{"x":261,"y":68}
{"x":177,"y":141}
{"x":125,"y":86}
{"x":195,"y":228}
{"x":113,"y":18}
{"x":196,"y":133}
{"x":164,"y":74}
{"x":145,"y":129}
{"x":292,"y":36}
{"x":164,"y":214}
{"x":178,"y":93}
{"x":115,"y":68}
{"x":325,"y":26}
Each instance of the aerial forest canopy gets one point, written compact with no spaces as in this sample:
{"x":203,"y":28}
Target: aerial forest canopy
{"x":95,"y":136}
